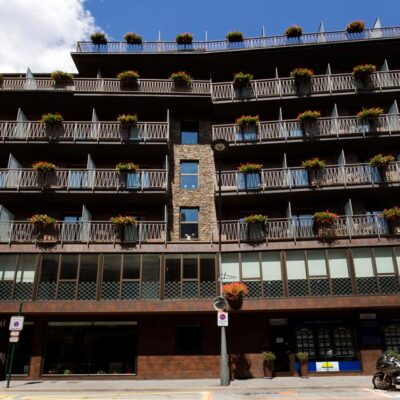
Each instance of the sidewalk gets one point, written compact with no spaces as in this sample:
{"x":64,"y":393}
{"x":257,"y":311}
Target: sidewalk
{"x":185,"y":384}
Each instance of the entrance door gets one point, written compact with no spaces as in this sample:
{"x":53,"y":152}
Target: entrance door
{"x":279,"y":344}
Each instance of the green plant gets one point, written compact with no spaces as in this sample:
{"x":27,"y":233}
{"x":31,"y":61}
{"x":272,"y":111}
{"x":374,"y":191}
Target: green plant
{"x":380,"y":160}
{"x":122,"y":220}
{"x":133,"y":38}
{"x":363,"y":71}
{"x":367,"y":113}
{"x":325,"y":218}
{"x":269,"y":356}
{"x":98,"y":38}
{"x":304,"y":74}
{"x":255,"y":218}
{"x":44,"y":167}
{"x":393,"y":354}
{"x":313,"y":164}
{"x":246,"y":121}
{"x":242,"y":80}
{"x":184,"y":38}
{"x":391,"y":214}
{"x":235,"y":290}
{"x":127,"y":167}
{"x":355,"y":27}
{"x":55,"y":119}
{"x":234,"y":37}
{"x":181,"y":78}
{"x":42,"y":219}
{"x":249,"y":168}
{"x":302,"y":356}
{"x":62,"y":77}
{"x":128,"y":77}
{"x":293,"y":31}
{"x":309,"y":116}
{"x":127,"y":119}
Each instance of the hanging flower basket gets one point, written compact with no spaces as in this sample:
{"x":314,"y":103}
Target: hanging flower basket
{"x":392,"y":215}
{"x":128,"y":80}
{"x":234,"y":294}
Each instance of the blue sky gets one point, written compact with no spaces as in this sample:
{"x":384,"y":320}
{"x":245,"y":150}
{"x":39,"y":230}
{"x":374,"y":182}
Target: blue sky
{"x":147,"y":17}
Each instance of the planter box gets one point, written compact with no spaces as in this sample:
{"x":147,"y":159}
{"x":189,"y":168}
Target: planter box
{"x":46,"y":180}
{"x":251,"y":181}
{"x":54,"y":131}
{"x":185,"y":47}
{"x":255,"y":232}
{"x":248,"y":134}
{"x":304,"y":370}
{"x":130,"y":180}
{"x":46,"y":234}
{"x":326,"y":232}
{"x":371,"y":124}
{"x":243,"y":92}
{"x":310,"y":128}
{"x":235,"y":45}
{"x":127,"y":233}
{"x":314,"y":177}
{"x":395,"y":227}
{"x":129,"y":132}
{"x":268,"y":368}
{"x":303,"y":86}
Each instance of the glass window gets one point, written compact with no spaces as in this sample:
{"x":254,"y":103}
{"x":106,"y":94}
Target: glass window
{"x":189,"y":223}
{"x":392,"y":337}
{"x":271,"y":266}
{"x":190,"y":267}
{"x":343,"y":341}
{"x":363,"y":262}
{"x":337,"y":260}
{"x":172,"y":267}
{"x":207,"y":267}
{"x":7,"y":266}
{"x":49,"y":268}
{"x":189,"y":132}
{"x":305,"y":341}
{"x":69,"y":266}
{"x":88,"y":268}
{"x":151,"y":267}
{"x":112,"y":268}
{"x":316,"y":263}
{"x":131,"y":266}
{"x":189,"y":175}
{"x":250,"y":265}
{"x":189,"y":339}
{"x":384,"y":260}
{"x":26,"y":268}
{"x":295,"y":264}
{"x":230,"y":267}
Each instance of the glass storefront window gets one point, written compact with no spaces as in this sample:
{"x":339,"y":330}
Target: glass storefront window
{"x":131,"y":266}
{"x":271,"y":266}
{"x":189,"y":267}
{"x":384,"y":260}
{"x":150,"y":276}
{"x":363,"y":262}
{"x":316,"y":263}
{"x":230,"y":269}
{"x":250,"y":266}
{"x":338,"y":266}
{"x":391,"y":335}
{"x":296,"y":273}
{"x":69,"y":266}
{"x":7,"y":266}
{"x":88,"y":277}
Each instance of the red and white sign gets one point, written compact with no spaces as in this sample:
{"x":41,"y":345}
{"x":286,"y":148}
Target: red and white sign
{"x":222,"y":318}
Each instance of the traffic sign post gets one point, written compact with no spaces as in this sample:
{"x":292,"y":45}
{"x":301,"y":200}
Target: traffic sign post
{"x":15,"y":327}
{"x":222,"y":318}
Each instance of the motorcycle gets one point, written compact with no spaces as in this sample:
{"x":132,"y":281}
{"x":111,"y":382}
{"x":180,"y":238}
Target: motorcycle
{"x":387,"y":372}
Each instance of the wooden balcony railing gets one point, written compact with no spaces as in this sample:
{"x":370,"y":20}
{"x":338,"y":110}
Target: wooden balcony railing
{"x":303,"y":228}
{"x":82,"y":232}
{"x":146,"y":86}
{"x":78,"y":180}
{"x":297,"y":178}
{"x":249,"y":43}
{"x":85,"y":131}
{"x":287,"y":130}
{"x":320,"y":84}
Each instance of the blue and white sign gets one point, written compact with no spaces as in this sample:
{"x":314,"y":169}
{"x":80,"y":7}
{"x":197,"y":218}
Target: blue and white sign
{"x":16,"y":323}
{"x":222,"y":318}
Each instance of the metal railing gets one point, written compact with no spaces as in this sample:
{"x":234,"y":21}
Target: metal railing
{"x":82,"y":232}
{"x":149,"y":86}
{"x":303,"y":228}
{"x":249,"y":43}
{"x":80,"y":179}
{"x":286,"y":130}
{"x":320,"y":84}
{"x":84,"y":131}
{"x":293,"y":178}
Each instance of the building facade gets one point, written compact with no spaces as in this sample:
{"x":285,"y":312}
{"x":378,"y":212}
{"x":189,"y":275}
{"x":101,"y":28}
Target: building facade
{"x":136,"y":301}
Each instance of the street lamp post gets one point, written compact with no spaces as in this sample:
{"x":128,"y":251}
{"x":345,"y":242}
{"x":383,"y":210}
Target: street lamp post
{"x":219,"y":147}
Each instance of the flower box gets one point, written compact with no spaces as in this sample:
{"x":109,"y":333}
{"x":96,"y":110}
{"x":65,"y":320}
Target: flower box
{"x":128,"y":126}
{"x":234,"y":293}
{"x":309,"y":122}
{"x":255,"y":227}
{"x":54,"y":124}
{"x":182,"y":81}
{"x":98,"y":38}
{"x":370,"y":118}
{"x":248,"y":128}
{"x":314,"y":167}
{"x":324,"y":223}
{"x":392,"y":215}
{"x":294,"y":32}
{"x":249,"y":177}
{"x":235,"y":40}
{"x":128,"y":80}
{"x":302,"y":79}
{"x":125,"y":228}
{"x":242,"y":84}
{"x":184,"y":41}
{"x":133,"y":39}
{"x":62,"y":79}
{"x":44,"y":227}
{"x":355,"y":29}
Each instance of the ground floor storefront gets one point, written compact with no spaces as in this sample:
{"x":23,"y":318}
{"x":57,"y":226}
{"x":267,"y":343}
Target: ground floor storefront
{"x":186,"y":345}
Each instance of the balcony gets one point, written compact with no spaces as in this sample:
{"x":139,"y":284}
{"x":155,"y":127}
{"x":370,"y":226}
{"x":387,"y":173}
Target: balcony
{"x":347,"y":227}
{"x":288,"y":130}
{"x":250,"y":43}
{"x":109,"y":132}
{"x":320,"y":85}
{"x":145,"y":86}
{"x":83,"y":232}
{"x":288,"y":179}
{"x":83,"y":180}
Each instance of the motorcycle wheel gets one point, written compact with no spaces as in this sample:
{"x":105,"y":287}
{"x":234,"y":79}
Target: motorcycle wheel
{"x":382,"y":382}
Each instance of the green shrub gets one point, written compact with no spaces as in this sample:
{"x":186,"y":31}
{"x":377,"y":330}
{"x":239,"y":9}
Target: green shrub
{"x":234,"y":37}
{"x":355,"y":27}
{"x":98,"y":38}
{"x":181,"y":78}
{"x":255,"y":218}
{"x":184,"y":38}
{"x":269,"y":356}
{"x":62,"y":77}
{"x":363,"y":71}
{"x":122,"y":220}
{"x":301,"y":73}
{"x":242,"y":80}
{"x":391,"y":214}
{"x":44,"y":167}
{"x":246,"y":121}
{"x":313,"y":164}
{"x":127,"y":119}
{"x":293,"y":31}
{"x":55,"y":119}
{"x":373,"y":112}
{"x":249,"y":168}
{"x":309,"y":116}
{"x":302,"y":356}
{"x":133,"y":38}
{"x":380,"y":160}
{"x":127,"y":167}
{"x":128,"y":77}
{"x":42,"y":219}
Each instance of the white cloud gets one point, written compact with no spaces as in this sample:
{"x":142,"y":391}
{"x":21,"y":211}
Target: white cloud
{"x":40,"y":34}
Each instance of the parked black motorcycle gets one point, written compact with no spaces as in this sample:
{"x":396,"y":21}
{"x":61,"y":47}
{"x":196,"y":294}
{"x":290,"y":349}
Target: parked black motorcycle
{"x":387,"y":372}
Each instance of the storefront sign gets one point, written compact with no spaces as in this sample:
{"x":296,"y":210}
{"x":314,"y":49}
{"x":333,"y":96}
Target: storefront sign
{"x":16,"y":323}
{"x":327,"y":366}
{"x":222,"y":318}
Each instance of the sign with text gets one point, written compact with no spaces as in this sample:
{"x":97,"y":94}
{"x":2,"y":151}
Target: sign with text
{"x":327,"y":366}
{"x":16,"y":323}
{"x":14,"y":339}
{"x":222,"y":318}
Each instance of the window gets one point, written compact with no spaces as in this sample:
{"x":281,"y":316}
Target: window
{"x":189,"y":223}
{"x":189,"y":175}
{"x":189,"y":132}
{"x":189,"y":339}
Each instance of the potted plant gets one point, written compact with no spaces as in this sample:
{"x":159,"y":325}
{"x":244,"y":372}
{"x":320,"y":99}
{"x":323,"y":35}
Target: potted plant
{"x":255,"y":227}
{"x":62,"y":79}
{"x":355,"y":29}
{"x":303,"y":362}
{"x":381,"y":162}
{"x":45,"y":172}
{"x":313,"y":166}
{"x":363,"y":73}
{"x":294,"y":33}
{"x":44,"y":227}
{"x":242,"y":84}
{"x":248,"y":127}
{"x":370,"y":117}
{"x":308,"y":120}
{"x":269,"y":358}
{"x":125,"y":227}
{"x":128,"y":80}
{"x":249,"y":176}
{"x":324,"y":222}
{"x":128,"y":125}
{"x":302,"y":79}
{"x":184,"y":41}
{"x":129,"y":175}
{"x":392,"y":215}
{"x":235,"y":39}
{"x":234,"y":293}
{"x":133,"y":39}
{"x":98,"y":38}
{"x":53,"y":124}
{"x":181,"y":80}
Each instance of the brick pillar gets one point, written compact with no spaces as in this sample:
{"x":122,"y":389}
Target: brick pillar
{"x":35,"y":367}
